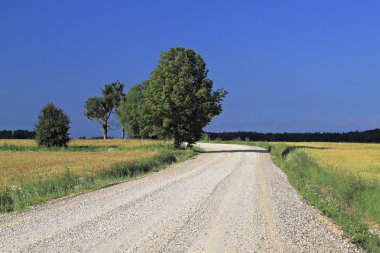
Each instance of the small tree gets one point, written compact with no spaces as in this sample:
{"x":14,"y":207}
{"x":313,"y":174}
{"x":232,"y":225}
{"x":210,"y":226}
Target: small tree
{"x":52,"y":127}
{"x":100,"y":109}
{"x":179,"y":100}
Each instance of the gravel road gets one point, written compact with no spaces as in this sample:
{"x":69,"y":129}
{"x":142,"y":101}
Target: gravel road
{"x":229,"y":199}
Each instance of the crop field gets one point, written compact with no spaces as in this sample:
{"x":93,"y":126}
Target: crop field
{"x":18,"y":168}
{"x":31,"y":174}
{"x":24,"y":167}
{"x":357,"y":159}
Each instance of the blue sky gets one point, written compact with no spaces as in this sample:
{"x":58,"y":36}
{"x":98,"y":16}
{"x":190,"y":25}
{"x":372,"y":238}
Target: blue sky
{"x":292,"y":66}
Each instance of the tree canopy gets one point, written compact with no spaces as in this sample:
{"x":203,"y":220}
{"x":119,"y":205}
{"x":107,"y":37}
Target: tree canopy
{"x":130,"y":110}
{"x":100,"y":109}
{"x":179,"y":100}
{"x":52,"y":126}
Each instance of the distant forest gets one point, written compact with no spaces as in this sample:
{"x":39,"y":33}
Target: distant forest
{"x":370,"y":136}
{"x":17,"y":134}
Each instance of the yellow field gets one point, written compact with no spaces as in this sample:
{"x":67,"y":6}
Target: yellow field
{"x":356,"y":158}
{"x":17,"y":168}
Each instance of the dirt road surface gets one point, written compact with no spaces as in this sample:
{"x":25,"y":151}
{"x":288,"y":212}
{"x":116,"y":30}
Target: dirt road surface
{"x":229,"y":199}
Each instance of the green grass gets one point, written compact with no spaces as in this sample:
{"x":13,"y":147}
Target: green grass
{"x":344,"y":197}
{"x":19,"y":198}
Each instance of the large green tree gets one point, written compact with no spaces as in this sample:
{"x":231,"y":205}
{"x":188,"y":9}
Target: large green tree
{"x":179,"y":100}
{"x":100,"y":109}
{"x":130,"y":110}
{"x":52,"y":126}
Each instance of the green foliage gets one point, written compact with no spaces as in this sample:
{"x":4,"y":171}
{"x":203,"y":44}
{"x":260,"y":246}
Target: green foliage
{"x":17,"y":134}
{"x":130,"y":116}
{"x":52,"y":127}
{"x":176,"y":103}
{"x":116,"y":92}
{"x":179,"y":101}
{"x":99,"y":109}
{"x":369,"y":136}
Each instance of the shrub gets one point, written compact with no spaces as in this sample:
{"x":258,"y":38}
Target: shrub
{"x":52,"y":127}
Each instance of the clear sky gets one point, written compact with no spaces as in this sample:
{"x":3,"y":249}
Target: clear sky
{"x":292,"y":66}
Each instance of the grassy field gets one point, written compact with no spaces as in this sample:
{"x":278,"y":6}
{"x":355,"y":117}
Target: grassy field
{"x":30,"y":174}
{"x":340,"y":179}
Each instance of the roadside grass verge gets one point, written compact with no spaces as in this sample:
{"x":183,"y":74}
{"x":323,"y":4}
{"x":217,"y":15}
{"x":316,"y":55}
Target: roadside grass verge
{"x":19,"y":197}
{"x":349,"y":198}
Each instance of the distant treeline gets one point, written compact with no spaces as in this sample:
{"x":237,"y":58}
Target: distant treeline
{"x":17,"y":134}
{"x":372,"y":136}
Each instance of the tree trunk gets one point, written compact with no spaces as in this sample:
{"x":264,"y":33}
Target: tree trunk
{"x":122,"y":132}
{"x":105,"y":129}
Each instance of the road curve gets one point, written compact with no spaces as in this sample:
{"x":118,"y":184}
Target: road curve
{"x":230,"y":198}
